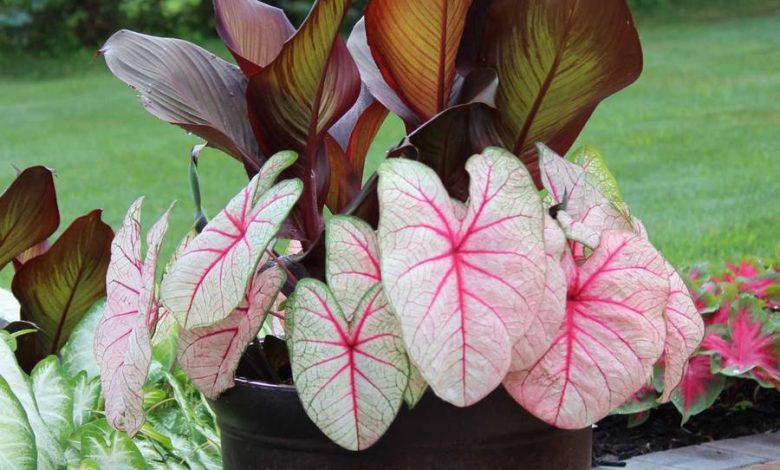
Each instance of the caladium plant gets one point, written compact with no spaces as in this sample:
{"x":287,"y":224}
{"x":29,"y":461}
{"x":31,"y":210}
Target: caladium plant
{"x":464,"y":274}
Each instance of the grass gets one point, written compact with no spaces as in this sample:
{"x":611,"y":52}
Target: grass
{"x":694,"y":143}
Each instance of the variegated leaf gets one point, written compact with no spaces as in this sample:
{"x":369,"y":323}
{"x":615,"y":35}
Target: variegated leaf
{"x":210,"y":355}
{"x":54,"y":397}
{"x":17,"y":448}
{"x":351,"y":375}
{"x":611,"y":336}
{"x":122,"y":338}
{"x":86,"y":394}
{"x":209,"y":280}
{"x":466,"y":282}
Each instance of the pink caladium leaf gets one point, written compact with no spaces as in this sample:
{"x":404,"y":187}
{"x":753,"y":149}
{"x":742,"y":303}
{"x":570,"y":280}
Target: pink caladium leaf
{"x":210,"y":355}
{"x":122,"y":338}
{"x":611,"y":336}
{"x":465,"y":281}
{"x":749,"y":346}
{"x":699,"y":388}
{"x":684,"y":332}
{"x":348,"y":358}
{"x":547,"y":324}
{"x":209,"y":280}
{"x":589,"y":209}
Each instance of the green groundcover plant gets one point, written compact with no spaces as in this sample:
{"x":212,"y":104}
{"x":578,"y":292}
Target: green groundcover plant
{"x":741,"y":310}
{"x":475,"y":258}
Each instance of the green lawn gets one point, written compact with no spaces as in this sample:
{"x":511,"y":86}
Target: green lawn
{"x":695,"y":143}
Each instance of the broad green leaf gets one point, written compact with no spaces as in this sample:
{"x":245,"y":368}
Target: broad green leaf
{"x":28,"y":212}
{"x":351,"y":375}
{"x":57,"y":288}
{"x":415,"y":45}
{"x":122,"y":343}
{"x":210,"y":278}
{"x":556,"y":60}
{"x":49,"y":450}
{"x":465,"y":281}
{"x":253,"y":32}
{"x":86,"y":395}
{"x":180,"y":83}
{"x":54,"y":397}
{"x":78,"y":353}
{"x":116,"y":452}
{"x":612,"y":335}
{"x":210,"y":355}
{"x":17,"y":446}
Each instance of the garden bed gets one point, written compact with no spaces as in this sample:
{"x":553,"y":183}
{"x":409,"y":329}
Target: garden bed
{"x":743,"y":411}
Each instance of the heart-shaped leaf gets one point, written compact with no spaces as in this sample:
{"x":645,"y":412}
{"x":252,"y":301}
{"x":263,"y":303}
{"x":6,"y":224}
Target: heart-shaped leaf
{"x":590,"y":210}
{"x":612,"y":335}
{"x":115,"y":451}
{"x":122,"y":338}
{"x":210,"y":355}
{"x":556,"y":61}
{"x":49,"y":451}
{"x":28,"y":212}
{"x":415,"y":45}
{"x":546,"y":325}
{"x":54,"y":397}
{"x":78,"y":354}
{"x":209,"y":280}
{"x":183,"y":84}
{"x":465,"y":281}
{"x":57,"y":288}
{"x":253,"y":32}
{"x":19,"y":452}
{"x":350,"y":375}
{"x":86,"y":394}
{"x":684,"y":332}
{"x":699,"y":387}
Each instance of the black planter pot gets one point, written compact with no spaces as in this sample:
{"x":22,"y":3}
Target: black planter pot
{"x":265,"y":427}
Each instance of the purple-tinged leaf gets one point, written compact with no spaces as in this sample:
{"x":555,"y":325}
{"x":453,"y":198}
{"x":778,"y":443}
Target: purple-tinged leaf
{"x":122,"y":338}
{"x":210,"y":355}
{"x":611,"y":337}
{"x":372,"y":77}
{"x":415,"y":45}
{"x":28,"y":212}
{"x":465,"y":281}
{"x":209,"y":280}
{"x":253,"y":32}
{"x":684,"y":333}
{"x":350,"y":375}
{"x":57,"y":288}
{"x":180,"y":83}
{"x":556,"y":61}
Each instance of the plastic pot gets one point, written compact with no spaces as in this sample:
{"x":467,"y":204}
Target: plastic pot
{"x":265,"y":427}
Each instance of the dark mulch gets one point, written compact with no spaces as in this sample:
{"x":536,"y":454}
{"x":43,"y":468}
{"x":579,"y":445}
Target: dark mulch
{"x":741,"y":411}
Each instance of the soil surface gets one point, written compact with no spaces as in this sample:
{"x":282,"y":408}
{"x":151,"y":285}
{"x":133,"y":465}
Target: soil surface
{"x":740,"y":411}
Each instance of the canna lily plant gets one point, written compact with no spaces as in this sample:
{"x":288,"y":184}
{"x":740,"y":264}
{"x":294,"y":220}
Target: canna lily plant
{"x":459,"y":267}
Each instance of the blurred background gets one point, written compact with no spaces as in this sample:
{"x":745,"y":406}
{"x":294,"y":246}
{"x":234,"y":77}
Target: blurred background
{"x":695,"y":144}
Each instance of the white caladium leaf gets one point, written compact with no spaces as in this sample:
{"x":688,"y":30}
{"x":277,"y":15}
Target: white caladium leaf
{"x":49,"y":451}
{"x":86,"y":394}
{"x":590,"y":211}
{"x":210,"y":355}
{"x":545,"y":326}
{"x":352,"y":260}
{"x":611,"y":336}
{"x":209,"y":280}
{"x":78,"y":354}
{"x":17,"y":447}
{"x":122,"y":338}
{"x":684,"y":333}
{"x":9,"y":306}
{"x":416,"y":388}
{"x":465,"y":282}
{"x":351,"y":375}
{"x":115,"y":451}
{"x":54,"y":397}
